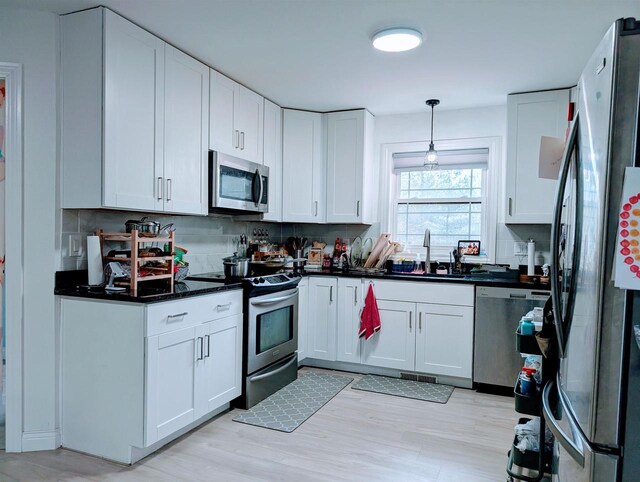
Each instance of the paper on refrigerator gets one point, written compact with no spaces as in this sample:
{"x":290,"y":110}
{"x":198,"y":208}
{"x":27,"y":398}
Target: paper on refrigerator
{"x":627,"y":261}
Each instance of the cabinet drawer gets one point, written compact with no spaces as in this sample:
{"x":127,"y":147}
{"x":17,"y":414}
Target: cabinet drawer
{"x":424,"y":292}
{"x":174,"y":315}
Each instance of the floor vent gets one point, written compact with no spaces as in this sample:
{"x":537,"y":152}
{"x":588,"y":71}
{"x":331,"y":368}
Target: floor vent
{"x":427,"y":378}
{"x":409,"y":376}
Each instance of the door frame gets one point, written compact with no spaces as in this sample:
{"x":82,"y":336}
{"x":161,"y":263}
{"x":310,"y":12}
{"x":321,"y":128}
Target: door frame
{"x":14,"y":269}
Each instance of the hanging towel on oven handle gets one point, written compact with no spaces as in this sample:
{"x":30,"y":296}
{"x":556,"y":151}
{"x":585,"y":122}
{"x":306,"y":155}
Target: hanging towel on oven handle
{"x":370,"y":317}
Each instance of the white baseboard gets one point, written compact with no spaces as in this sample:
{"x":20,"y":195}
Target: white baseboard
{"x":40,"y":440}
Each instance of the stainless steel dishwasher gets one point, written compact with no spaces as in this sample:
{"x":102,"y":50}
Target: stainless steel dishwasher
{"x":498,"y":311}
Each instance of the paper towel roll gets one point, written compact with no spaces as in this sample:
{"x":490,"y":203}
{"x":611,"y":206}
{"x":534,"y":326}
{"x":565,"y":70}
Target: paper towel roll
{"x":94,"y":261}
{"x":531,"y":257}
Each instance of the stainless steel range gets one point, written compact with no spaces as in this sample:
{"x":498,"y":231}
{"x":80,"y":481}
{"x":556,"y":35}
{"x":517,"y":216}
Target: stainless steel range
{"x":270,"y":334}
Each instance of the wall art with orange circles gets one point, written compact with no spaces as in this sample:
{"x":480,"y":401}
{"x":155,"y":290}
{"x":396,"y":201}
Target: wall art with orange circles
{"x":627,"y":266}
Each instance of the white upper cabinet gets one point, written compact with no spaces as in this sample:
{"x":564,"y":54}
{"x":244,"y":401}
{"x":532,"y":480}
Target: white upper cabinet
{"x":303,"y":167}
{"x":351,"y":180}
{"x":186,"y":115}
{"x":529,"y":198}
{"x":236,"y":119}
{"x":273,"y":158}
{"x":134,"y":118}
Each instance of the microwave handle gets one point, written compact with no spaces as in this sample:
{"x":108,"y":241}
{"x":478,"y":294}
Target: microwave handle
{"x":261,"y":189}
{"x":256,"y":195}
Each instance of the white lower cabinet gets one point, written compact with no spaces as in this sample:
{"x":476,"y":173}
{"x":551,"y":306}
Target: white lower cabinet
{"x":151,"y":372}
{"x":321,"y":336}
{"x":350,"y":303}
{"x":394,"y":345}
{"x":303,"y":318}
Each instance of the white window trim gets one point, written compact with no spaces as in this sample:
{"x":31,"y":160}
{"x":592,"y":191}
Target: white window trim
{"x":490,"y":189}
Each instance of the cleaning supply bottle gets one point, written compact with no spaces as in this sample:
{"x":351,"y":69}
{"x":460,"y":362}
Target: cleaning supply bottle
{"x":526,"y":326}
{"x":527,"y":381}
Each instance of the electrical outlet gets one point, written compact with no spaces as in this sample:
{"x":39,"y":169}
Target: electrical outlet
{"x":75,"y":245}
{"x":520,"y":249}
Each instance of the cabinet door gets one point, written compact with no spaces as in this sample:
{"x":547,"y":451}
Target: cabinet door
{"x":321,"y":337}
{"x":444,"y":342}
{"x":133,"y":116}
{"x":219,"y":379}
{"x":172,"y":361}
{"x":186,"y":131}
{"x":530,"y":116}
{"x":248,"y":119}
{"x":345,"y":157}
{"x":350,"y":303}
{"x":272,"y":158}
{"x":303,"y":167}
{"x":394,"y":345}
{"x":303,"y":319}
{"x":222,"y":135}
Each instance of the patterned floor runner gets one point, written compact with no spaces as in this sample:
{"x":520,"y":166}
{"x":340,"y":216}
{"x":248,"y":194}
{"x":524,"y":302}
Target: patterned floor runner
{"x":430,"y":392}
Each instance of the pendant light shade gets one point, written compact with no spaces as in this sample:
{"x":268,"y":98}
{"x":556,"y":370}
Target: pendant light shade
{"x":431,"y":159}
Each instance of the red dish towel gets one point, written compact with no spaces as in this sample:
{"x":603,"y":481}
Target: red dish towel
{"x":370,"y":318}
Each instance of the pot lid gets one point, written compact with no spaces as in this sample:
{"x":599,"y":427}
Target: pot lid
{"x":234,"y":259}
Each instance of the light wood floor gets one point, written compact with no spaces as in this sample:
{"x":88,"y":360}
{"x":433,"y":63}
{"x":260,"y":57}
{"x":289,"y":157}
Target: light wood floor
{"x":357,"y":436}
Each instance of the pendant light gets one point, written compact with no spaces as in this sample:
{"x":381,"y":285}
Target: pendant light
{"x":431,"y":160}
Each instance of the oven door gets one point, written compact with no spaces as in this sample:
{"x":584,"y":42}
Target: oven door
{"x":238,"y":184}
{"x":272,"y":328}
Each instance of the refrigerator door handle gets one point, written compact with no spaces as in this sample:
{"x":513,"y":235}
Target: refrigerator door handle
{"x":572,"y":449}
{"x":555,"y":235}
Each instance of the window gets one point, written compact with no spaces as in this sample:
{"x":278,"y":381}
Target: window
{"x":446,"y":201}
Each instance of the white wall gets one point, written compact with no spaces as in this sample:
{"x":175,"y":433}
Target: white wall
{"x":30,"y":38}
{"x":464,"y":124}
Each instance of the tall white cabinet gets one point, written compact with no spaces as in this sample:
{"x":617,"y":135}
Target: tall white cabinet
{"x":134,"y":118}
{"x":529,"y":198}
{"x":351,"y":168}
{"x":273,"y":158}
{"x":304,"y":167}
{"x":236,"y":119}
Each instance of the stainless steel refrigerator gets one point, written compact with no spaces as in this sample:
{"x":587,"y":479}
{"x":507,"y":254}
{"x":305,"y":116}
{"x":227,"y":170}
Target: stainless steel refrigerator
{"x":593,"y":407}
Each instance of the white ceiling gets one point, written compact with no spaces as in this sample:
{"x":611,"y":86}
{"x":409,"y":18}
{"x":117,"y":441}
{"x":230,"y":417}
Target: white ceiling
{"x":317,"y":54}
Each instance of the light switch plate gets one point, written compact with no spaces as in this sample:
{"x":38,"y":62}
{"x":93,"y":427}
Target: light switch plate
{"x":75,"y":246}
{"x":519,"y":249}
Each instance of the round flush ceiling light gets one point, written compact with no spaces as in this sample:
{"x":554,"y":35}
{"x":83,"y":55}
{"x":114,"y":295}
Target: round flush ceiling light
{"x":397,"y":39}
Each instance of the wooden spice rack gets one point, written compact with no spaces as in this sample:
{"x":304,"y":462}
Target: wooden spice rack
{"x":136,"y":261}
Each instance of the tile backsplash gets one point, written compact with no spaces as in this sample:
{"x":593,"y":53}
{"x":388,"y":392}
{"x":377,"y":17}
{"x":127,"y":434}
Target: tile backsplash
{"x":509,"y":234}
{"x":207,"y":238}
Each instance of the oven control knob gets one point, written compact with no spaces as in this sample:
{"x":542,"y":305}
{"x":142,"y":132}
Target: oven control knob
{"x":260,"y":280}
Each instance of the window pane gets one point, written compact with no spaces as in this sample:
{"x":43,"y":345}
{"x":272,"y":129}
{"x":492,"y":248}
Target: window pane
{"x":440,"y":184}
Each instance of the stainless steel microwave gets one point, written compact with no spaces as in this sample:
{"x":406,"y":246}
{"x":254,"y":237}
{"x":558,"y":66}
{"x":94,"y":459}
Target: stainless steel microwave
{"x":236,"y":184}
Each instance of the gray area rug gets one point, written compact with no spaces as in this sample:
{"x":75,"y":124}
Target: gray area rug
{"x":430,"y":392}
{"x":290,"y":406}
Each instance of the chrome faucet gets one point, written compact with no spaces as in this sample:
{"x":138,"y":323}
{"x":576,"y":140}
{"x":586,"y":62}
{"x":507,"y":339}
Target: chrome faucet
{"x":427,"y":244}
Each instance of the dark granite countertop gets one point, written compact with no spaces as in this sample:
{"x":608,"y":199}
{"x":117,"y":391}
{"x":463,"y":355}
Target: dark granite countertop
{"x":478,"y":280}
{"x":74,"y":283}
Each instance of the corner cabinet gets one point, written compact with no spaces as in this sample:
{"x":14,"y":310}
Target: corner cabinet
{"x":236,"y":119}
{"x":272,"y":158}
{"x":134,"y":118}
{"x":154,"y":372}
{"x":351,"y":169}
{"x":303,"y":167}
{"x":529,"y":198}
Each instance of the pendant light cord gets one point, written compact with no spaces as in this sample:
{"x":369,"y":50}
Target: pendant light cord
{"x":431,"y":143}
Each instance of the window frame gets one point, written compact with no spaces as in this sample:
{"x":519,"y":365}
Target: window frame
{"x":491,"y":187}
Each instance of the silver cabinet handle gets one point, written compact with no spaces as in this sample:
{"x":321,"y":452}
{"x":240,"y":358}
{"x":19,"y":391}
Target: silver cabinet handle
{"x":331,"y":294}
{"x":237,"y":143}
{"x":224,"y":307}
{"x":510,"y":206}
{"x":208,"y":346}
{"x":410,"y":313}
{"x":179,"y":315}
{"x":355,"y":296}
{"x":242,"y":140}
{"x":200,"y":340}
{"x":358,"y":209}
{"x":420,"y":322}
{"x":168,"y":189}
{"x":159,"y":189}
{"x":316,"y":208}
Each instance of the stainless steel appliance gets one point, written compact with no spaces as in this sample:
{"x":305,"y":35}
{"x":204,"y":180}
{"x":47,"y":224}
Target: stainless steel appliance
{"x":498,"y":311}
{"x":592,"y":407}
{"x":270,"y":334}
{"x":237,"y":185}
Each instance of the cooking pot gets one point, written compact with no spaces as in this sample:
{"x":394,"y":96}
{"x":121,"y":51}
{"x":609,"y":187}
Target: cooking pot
{"x":147,"y":228}
{"x":236,"y":266}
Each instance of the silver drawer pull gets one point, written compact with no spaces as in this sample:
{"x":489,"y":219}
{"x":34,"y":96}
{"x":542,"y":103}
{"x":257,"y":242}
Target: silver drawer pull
{"x":179,"y":315}
{"x":224,"y":307}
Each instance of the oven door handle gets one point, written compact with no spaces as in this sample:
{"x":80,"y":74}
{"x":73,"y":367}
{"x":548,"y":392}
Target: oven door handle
{"x":272,"y":301}
{"x":294,"y":359}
